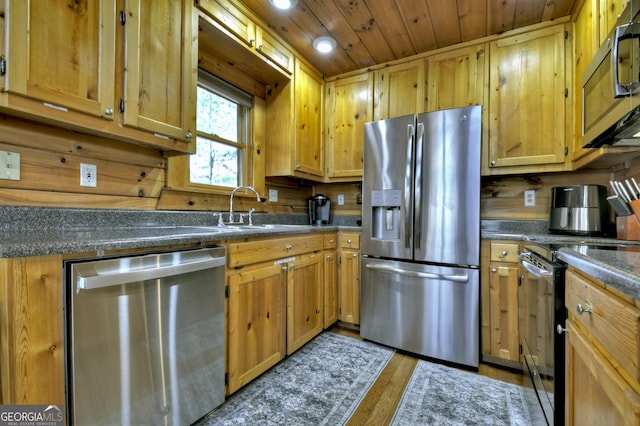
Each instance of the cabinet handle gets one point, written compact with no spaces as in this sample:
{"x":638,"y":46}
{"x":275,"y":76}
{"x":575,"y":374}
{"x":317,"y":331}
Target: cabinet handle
{"x":292,"y":266}
{"x":108,"y":111}
{"x":252,"y":42}
{"x":288,"y":247}
{"x":586,"y":308}
{"x":560,"y":329}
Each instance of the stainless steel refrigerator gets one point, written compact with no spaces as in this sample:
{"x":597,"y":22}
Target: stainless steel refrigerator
{"x":421,"y":234}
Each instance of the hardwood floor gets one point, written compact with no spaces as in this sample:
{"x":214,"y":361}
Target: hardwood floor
{"x":379,"y":405}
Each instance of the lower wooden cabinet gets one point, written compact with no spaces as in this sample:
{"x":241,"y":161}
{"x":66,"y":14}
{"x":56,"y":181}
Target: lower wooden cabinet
{"x":32,"y":351}
{"x":349,"y":284}
{"x":602,"y":354}
{"x":500,"y":300}
{"x":304,"y":300}
{"x":256,"y":322}
{"x":330,"y":256}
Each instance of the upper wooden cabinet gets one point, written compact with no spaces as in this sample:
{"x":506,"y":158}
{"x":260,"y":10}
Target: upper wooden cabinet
{"x":400,"y":90}
{"x":348,"y":105}
{"x":98,"y":69}
{"x":527,"y":102}
{"x":456,"y":78}
{"x":294,"y":126}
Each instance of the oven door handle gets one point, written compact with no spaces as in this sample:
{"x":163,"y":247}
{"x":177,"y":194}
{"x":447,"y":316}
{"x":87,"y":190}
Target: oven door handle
{"x":530,"y":267}
{"x":152,"y":273}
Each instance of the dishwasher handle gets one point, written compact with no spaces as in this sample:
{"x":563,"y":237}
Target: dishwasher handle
{"x":385,"y":268}
{"x":151,"y":273}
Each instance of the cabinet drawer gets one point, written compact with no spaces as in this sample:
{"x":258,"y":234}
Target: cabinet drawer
{"x":249,"y":252}
{"x":504,"y":252}
{"x":330,"y":241}
{"x":350,"y":240}
{"x":614,"y":324}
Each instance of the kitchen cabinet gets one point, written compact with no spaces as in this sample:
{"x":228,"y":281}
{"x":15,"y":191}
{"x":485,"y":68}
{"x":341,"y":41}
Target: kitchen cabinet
{"x":348,"y":105}
{"x":256,"y":327}
{"x":400,"y":90}
{"x":349,"y":280}
{"x":294,"y":126}
{"x":32,"y":355}
{"x":275,"y":302}
{"x":240,"y":39}
{"x":602,"y":354}
{"x":456,"y":78}
{"x":330,"y":244}
{"x":608,"y":13}
{"x":102,"y":68}
{"x":304,"y":299}
{"x":528,"y":102}
{"x":500,"y":301}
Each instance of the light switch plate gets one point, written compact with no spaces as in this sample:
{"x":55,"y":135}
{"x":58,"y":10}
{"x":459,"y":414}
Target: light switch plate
{"x":9,"y":165}
{"x":341,"y":199}
{"x":273,"y":195}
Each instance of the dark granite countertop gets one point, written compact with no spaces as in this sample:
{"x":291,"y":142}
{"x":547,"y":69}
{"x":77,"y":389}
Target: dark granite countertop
{"x":615,"y":262}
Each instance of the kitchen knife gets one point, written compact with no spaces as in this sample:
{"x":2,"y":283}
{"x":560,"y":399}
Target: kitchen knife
{"x":613,"y":186}
{"x":623,"y":191}
{"x":632,"y":191}
{"x":636,"y":185}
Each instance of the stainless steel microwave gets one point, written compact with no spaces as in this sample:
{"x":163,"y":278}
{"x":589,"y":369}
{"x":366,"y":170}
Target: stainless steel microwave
{"x":611,"y":87}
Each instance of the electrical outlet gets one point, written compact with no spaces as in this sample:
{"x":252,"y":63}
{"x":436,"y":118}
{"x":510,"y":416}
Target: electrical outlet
{"x":273,"y":195}
{"x":530,"y":198}
{"x":88,"y":175}
{"x":341,"y":199}
{"x":9,"y":165}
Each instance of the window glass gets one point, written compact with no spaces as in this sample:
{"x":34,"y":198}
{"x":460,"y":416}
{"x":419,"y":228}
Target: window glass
{"x":221,"y":142}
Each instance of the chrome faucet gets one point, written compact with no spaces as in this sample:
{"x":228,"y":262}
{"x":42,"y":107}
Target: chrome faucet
{"x":231,"y":220}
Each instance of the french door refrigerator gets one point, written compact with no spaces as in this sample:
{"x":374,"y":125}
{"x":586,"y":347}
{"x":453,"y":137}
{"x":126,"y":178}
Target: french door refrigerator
{"x":420,"y":280}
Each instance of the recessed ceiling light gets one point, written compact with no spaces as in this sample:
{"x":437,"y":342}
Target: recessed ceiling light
{"x":283,"y":4}
{"x":324,"y":44}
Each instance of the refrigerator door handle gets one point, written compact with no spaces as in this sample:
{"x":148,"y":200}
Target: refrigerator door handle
{"x":417,"y":231}
{"x":386,"y":268}
{"x":408,"y":183}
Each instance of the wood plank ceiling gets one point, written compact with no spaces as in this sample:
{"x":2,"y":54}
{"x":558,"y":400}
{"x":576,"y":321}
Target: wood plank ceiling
{"x":370,"y":32}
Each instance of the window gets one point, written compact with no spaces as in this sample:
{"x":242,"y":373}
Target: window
{"x":222,"y":133}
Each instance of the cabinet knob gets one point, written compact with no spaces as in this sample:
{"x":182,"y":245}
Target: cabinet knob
{"x":560,"y":329}
{"x":189,"y":135}
{"x":355,"y":254}
{"x":331,"y":241}
{"x":108,"y":111}
{"x":288,"y":247}
{"x":252,"y":42}
{"x":348,"y":241}
{"x":328,"y":257}
{"x":581,"y":309}
{"x":504,"y":253}
{"x":493,"y":162}
{"x":284,"y":267}
{"x":260,"y":47}
{"x":494,"y":270}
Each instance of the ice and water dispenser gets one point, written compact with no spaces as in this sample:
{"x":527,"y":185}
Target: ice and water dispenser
{"x":385,"y":214}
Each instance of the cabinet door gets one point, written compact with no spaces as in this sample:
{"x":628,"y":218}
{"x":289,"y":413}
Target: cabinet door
{"x":273,"y":50}
{"x":456,"y":78}
{"x":503,"y":296}
{"x":527,"y":101}
{"x":63,"y":54}
{"x":608,"y":12}
{"x":231,"y":19}
{"x":308,"y":148}
{"x":256,"y":338}
{"x":160,"y":68}
{"x":594,"y":390}
{"x":349,"y":104}
{"x":304,"y":300}
{"x":349,"y":290}
{"x":330,"y":288}
{"x":32,"y":318}
{"x":401,"y":90}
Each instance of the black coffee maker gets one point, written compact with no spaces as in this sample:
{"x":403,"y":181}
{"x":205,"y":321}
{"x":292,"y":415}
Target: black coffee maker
{"x":319,"y":210}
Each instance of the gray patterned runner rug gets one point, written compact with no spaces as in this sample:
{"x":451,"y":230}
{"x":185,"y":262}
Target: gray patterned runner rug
{"x":441,"y":395}
{"x":320,"y":384}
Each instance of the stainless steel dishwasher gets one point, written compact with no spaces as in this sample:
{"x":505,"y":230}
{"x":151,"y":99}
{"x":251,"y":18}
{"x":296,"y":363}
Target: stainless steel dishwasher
{"x":145,"y":338}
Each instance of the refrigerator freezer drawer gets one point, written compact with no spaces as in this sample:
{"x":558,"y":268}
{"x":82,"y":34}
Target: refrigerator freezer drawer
{"x":425,"y":309}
